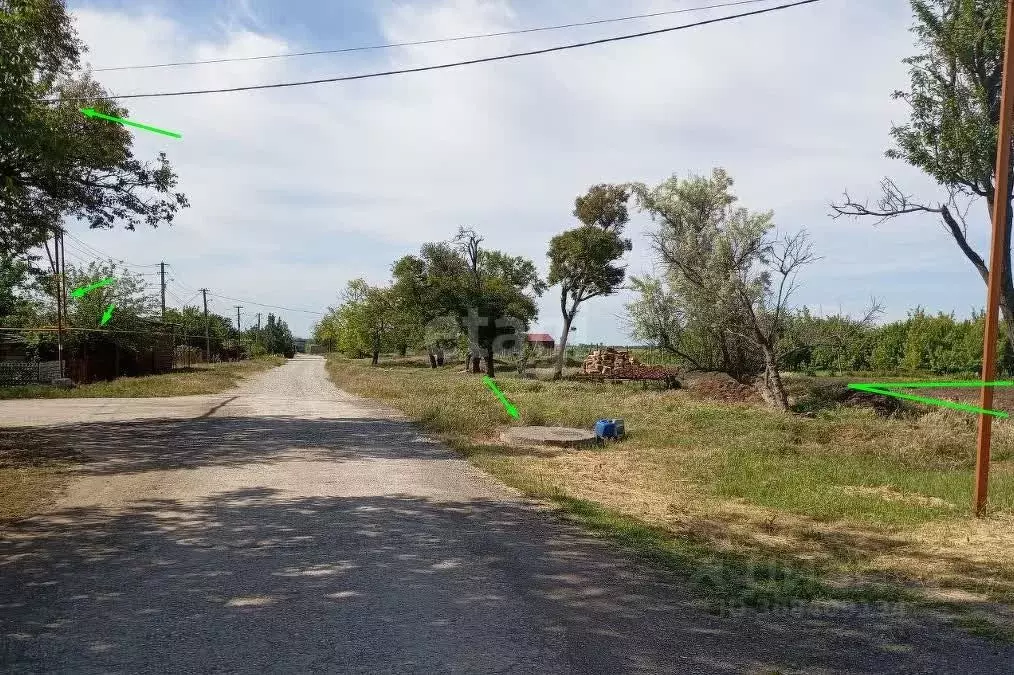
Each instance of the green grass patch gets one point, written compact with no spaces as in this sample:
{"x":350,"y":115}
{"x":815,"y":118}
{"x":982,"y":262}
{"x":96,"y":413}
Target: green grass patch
{"x":849,"y":487}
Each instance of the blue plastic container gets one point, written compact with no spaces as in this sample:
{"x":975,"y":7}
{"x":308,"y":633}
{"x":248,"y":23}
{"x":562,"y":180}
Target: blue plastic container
{"x":605,"y":429}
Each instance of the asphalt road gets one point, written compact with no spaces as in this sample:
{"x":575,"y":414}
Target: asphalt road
{"x":288,"y":527}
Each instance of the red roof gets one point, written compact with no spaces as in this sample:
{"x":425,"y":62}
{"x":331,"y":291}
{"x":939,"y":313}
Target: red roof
{"x":540,"y":337}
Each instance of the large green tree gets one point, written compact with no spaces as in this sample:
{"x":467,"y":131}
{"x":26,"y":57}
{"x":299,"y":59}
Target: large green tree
{"x":276,"y":337}
{"x":364,"y":323}
{"x":55,"y":162}
{"x":427,"y":288}
{"x":725,"y":267}
{"x":583,"y":260}
{"x":951,"y":135}
{"x":498,"y":297}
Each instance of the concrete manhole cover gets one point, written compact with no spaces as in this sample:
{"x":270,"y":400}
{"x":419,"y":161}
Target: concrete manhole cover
{"x":562,"y":436}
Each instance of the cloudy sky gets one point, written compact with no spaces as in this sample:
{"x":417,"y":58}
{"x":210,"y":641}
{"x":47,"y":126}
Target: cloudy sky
{"x":296,"y":191}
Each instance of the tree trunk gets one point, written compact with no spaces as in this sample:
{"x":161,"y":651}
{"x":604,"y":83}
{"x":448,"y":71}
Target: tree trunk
{"x":475,"y":364}
{"x":433,"y":359}
{"x":772,"y":382}
{"x":376,"y":357}
{"x":402,"y":350}
{"x":440,"y":357}
{"x":561,"y":357}
{"x":490,"y":370}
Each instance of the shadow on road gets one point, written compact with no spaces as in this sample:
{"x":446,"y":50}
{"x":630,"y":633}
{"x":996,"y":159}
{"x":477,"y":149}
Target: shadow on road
{"x":146,"y":445}
{"x":248,"y":581}
{"x":258,"y":580}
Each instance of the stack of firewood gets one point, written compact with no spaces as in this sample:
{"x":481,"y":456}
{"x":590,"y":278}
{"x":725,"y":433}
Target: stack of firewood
{"x":604,"y":361}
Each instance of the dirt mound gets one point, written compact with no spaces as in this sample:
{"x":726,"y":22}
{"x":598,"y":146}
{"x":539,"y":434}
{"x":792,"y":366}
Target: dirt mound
{"x":720,"y":387}
{"x":882,"y":405}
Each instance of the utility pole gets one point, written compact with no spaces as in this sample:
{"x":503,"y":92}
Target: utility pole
{"x":998,"y":244}
{"x":207,"y":336}
{"x":238,"y":327}
{"x":60,"y":300}
{"x":162,"y":273}
{"x":258,"y":328}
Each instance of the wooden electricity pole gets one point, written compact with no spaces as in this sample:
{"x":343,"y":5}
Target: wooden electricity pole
{"x":207,"y":337}
{"x":997,"y":248}
{"x":162,"y":275}
{"x":61,"y":301}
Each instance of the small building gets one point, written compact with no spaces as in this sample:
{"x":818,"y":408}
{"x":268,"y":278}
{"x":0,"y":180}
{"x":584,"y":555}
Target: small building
{"x":542,"y":340}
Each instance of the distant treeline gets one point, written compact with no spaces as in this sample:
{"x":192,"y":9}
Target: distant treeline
{"x":923,"y":342}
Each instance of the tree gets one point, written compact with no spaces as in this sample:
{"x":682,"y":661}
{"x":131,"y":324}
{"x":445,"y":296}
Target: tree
{"x":498,"y":294}
{"x":951,"y":135}
{"x":276,"y":338}
{"x":428,"y":289}
{"x":582,"y":260}
{"x":723,"y":265}
{"x":363,"y":323}
{"x":55,"y":162}
{"x":440,"y":334}
{"x":189,"y":326}
{"x":657,"y":317}
{"x":14,"y":277}
{"x":131,"y":326}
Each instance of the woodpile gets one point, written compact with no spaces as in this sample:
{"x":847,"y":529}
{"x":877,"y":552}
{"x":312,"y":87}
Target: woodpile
{"x":605,"y":361}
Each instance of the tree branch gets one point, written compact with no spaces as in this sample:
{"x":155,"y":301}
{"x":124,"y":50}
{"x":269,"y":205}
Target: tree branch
{"x":892,"y":203}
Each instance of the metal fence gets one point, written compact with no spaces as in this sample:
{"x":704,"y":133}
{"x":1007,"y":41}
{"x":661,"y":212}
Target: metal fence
{"x":13,"y":373}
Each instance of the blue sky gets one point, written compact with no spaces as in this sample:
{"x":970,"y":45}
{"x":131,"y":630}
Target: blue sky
{"x":296,"y":191}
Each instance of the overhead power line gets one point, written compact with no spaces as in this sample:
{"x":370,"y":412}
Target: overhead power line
{"x":87,"y":248}
{"x":442,"y":66}
{"x":182,"y":285}
{"x":261,"y":304}
{"x":457,"y":38}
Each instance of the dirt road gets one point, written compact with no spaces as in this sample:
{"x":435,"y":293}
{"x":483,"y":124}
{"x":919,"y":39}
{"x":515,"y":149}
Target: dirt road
{"x":287,"y":527}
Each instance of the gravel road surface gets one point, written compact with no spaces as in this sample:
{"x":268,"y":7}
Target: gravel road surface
{"x":288,"y":527}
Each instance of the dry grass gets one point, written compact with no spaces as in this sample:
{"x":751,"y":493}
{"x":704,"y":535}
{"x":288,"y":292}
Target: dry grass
{"x":202,"y":379}
{"x":858,"y":500}
{"x":29,"y":475}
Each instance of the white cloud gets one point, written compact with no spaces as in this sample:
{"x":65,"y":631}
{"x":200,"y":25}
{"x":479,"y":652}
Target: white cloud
{"x":295,"y":191}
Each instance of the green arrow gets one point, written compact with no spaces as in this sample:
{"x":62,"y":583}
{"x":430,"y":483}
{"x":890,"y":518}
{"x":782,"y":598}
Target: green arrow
{"x":511,"y":410}
{"x":80,"y":292}
{"x":108,"y":315}
{"x":882,"y":388}
{"x":91,"y":112}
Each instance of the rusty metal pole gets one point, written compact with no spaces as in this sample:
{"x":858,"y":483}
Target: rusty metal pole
{"x":997,"y":248}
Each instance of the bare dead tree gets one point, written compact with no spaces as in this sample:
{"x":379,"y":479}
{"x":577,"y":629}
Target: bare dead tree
{"x":765,"y":297}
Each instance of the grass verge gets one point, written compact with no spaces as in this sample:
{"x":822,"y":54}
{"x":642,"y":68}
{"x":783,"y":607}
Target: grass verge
{"x":203,"y":379}
{"x":758,"y":508}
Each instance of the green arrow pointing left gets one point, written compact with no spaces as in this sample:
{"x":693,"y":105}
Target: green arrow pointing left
{"x":91,"y":112}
